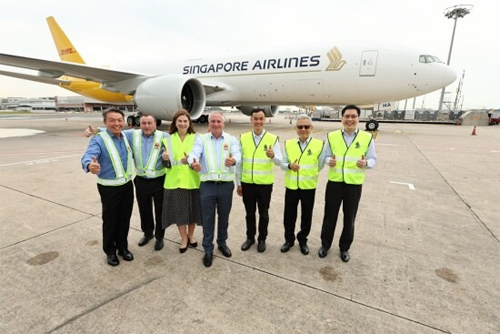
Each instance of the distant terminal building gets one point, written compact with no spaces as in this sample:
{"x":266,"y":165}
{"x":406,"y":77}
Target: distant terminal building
{"x":59,"y":104}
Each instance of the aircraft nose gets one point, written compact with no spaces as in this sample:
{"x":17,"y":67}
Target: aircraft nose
{"x":449,"y":76}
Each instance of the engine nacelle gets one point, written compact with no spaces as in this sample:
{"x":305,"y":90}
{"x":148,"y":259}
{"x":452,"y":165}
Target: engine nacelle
{"x":164,"y":95}
{"x":270,"y":111}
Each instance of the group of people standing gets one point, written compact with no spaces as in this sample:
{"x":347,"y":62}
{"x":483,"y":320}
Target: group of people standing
{"x":190,"y":179}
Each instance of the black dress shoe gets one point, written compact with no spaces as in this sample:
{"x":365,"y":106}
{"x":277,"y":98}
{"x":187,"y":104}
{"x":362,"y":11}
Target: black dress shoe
{"x":322,"y":252}
{"x":247,"y":244}
{"x":144,"y":240}
{"x":113,"y":260}
{"x":345,"y":256}
{"x":126,"y":255}
{"x":192,"y":244}
{"x":286,"y":247}
{"x":207,"y":259}
{"x":261,"y":247}
{"x":304,"y":249}
{"x":159,"y":244}
{"x":225,"y":250}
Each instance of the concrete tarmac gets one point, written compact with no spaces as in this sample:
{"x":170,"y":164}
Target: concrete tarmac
{"x":425,"y":259}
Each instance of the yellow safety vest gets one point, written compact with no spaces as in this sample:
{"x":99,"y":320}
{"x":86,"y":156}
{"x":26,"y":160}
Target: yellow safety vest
{"x":257,"y":167}
{"x":180,"y":175}
{"x":150,"y":169}
{"x":307,"y":176}
{"x":122,"y":176}
{"x":346,"y":169}
{"x":217,"y":171}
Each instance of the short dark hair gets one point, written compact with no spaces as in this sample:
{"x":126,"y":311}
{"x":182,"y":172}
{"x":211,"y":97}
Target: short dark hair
{"x":256,"y":110}
{"x":148,"y":114}
{"x":351,"y":106}
{"x":107,"y":111}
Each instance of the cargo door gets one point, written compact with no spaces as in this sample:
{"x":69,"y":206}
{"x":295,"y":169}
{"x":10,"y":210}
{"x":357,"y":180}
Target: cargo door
{"x":368,"y":66}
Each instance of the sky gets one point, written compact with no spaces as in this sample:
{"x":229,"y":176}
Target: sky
{"x":114,"y":32}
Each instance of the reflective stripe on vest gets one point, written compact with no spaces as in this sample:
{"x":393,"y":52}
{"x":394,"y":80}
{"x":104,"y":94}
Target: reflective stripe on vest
{"x":180,"y":175}
{"x":307,"y":176}
{"x":122,"y":176}
{"x":346,"y":169}
{"x":217,"y":172}
{"x":150,"y":168}
{"x":257,"y":167}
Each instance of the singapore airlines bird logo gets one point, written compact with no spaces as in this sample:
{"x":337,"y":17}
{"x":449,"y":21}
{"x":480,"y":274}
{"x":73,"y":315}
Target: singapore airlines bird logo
{"x":336,"y":61}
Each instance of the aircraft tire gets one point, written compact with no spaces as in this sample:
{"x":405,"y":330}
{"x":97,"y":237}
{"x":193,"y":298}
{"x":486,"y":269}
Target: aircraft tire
{"x":137,"y":120}
{"x":130,"y":120}
{"x":371,"y":125}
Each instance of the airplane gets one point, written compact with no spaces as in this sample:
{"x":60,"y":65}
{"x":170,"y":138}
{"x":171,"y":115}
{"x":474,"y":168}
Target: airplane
{"x":331,"y":74}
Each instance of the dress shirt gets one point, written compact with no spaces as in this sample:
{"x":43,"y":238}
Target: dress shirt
{"x":278,"y":156}
{"x":371,"y":156}
{"x":98,"y":149}
{"x":303,"y":145}
{"x":199,"y":146}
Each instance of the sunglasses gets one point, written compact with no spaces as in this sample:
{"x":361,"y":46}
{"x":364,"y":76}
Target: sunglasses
{"x":300,"y":127}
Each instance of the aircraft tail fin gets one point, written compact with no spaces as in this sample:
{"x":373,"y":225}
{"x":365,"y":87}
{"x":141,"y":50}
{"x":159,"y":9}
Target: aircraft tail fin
{"x":67,"y":52}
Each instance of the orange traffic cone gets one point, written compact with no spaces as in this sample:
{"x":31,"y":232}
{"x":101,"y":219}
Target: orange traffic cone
{"x":474,"y":131}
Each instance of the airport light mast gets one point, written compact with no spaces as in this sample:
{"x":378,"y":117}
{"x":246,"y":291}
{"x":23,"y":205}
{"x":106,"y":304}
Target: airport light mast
{"x":454,"y":12}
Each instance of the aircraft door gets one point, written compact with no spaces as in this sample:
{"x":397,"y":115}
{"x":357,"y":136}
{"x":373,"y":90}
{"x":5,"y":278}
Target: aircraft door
{"x":368,"y":66}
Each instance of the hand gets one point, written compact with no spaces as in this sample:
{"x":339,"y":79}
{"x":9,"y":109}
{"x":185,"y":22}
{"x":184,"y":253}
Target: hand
{"x":164,"y":154}
{"x":196,"y":165}
{"x":239,"y":191}
{"x":294,"y":166}
{"x":362,"y":162}
{"x":332,"y":162}
{"x":270,"y":153}
{"x":89,"y":131}
{"x":94,"y":166}
{"x":230,"y":161}
{"x":185,"y":159}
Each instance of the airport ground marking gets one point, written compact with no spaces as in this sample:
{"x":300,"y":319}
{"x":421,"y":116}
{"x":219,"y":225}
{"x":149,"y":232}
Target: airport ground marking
{"x":410,"y":185}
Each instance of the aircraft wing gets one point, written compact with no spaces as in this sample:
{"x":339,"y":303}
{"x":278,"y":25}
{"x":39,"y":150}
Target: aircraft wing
{"x":36,"y":78}
{"x":55,"y":69}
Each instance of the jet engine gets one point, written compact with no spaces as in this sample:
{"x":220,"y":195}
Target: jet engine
{"x":270,"y":111}
{"x":164,"y":95}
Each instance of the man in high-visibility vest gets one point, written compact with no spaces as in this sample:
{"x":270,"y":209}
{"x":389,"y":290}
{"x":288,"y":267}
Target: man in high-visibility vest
{"x":348,"y":153}
{"x":214,"y":156}
{"x":109,"y":156}
{"x":255,"y":177}
{"x":303,"y":158}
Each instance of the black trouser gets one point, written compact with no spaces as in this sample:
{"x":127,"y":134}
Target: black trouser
{"x":257,"y":196}
{"x":117,"y":205}
{"x":348,"y":195}
{"x":147,"y":192}
{"x":292,"y":198}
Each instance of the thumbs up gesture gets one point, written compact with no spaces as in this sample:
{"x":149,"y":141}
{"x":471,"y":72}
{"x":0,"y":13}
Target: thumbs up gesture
{"x":89,"y":131}
{"x":166,"y":158}
{"x":184,"y":160}
{"x":362,"y":162}
{"x":196,"y":165}
{"x":332,"y":162}
{"x":164,"y":154}
{"x":94,"y":166}
{"x":270,"y":152}
{"x":295,"y":166}
{"x":230,"y":161}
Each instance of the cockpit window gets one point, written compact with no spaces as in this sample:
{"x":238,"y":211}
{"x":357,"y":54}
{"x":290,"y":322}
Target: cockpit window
{"x":427,"y":59}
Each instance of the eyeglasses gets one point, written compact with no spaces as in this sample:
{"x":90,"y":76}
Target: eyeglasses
{"x":350,"y":116}
{"x":300,"y":127}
